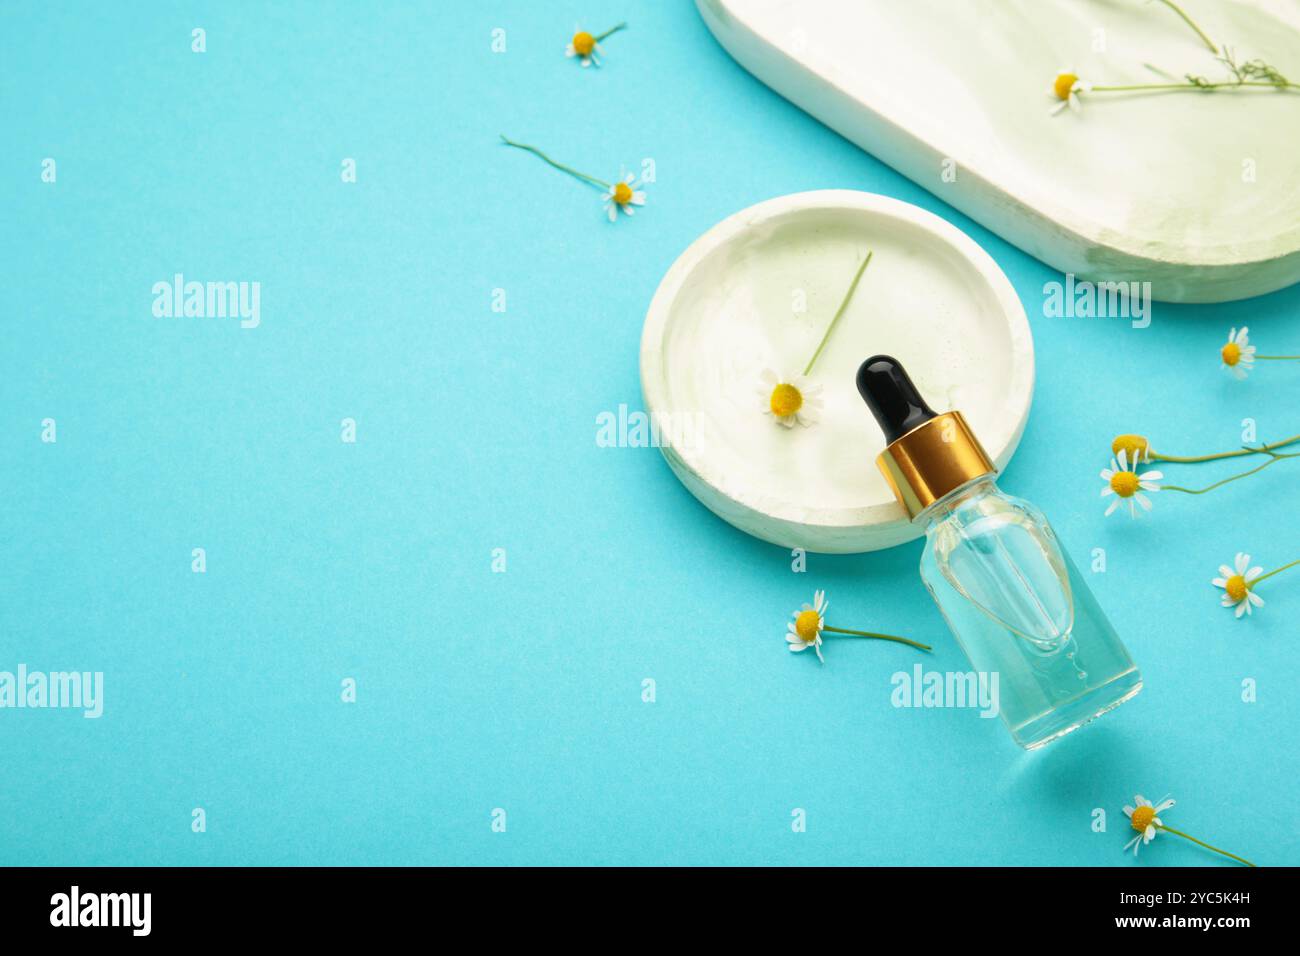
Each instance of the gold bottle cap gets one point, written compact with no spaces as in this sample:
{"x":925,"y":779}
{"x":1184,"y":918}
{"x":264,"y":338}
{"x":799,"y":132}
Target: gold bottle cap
{"x":935,"y":458}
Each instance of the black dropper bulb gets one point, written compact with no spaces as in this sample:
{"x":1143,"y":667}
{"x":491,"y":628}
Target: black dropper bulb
{"x":892,"y":397}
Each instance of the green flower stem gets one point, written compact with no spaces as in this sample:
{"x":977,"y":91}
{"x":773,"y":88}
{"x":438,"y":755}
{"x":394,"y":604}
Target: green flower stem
{"x":623,"y":26}
{"x":560,"y":166}
{"x":840,"y":311}
{"x":1264,"y":577}
{"x":1185,"y":836}
{"x":1226,"y":454}
{"x":1197,"y":87}
{"x":1274,"y":458}
{"x":1191,"y":23}
{"x":883,"y":637}
{"x":1280,"y":358}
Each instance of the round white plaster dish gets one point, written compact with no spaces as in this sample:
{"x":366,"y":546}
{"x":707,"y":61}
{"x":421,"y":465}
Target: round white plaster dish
{"x":757,"y":291}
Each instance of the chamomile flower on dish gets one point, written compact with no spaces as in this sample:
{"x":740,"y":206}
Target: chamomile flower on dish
{"x":805,"y":630}
{"x":1124,"y":482}
{"x":1066,"y":89}
{"x":1143,"y":819}
{"x":791,"y":400}
{"x":1236,"y":584}
{"x":623,"y":195}
{"x":1238,"y":354}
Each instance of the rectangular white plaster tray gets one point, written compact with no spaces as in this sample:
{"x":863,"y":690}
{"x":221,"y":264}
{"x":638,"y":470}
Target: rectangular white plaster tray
{"x":1196,"y":193}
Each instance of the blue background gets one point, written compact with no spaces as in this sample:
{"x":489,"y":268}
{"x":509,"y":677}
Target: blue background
{"x":476,"y":431}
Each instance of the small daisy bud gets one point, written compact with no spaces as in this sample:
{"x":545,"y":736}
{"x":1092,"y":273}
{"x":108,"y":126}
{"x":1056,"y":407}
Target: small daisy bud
{"x":1135,"y":446}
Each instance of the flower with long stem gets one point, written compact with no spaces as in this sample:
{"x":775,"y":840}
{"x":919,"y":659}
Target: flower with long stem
{"x":1239,"y":356}
{"x":1251,"y":75}
{"x":807,"y":624}
{"x":1138,"y":447}
{"x":586,"y":47}
{"x":1239,"y":583}
{"x":1143,"y":818}
{"x":795,"y":397}
{"x":618,"y":195}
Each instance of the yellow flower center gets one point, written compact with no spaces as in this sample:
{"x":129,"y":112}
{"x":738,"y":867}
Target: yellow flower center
{"x":1132,"y":445}
{"x":622,"y":194}
{"x":1236,"y":587}
{"x":805,"y":625}
{"x":1124,"y":484}
{"x":1063,"y":85}
{"x":584,"y":43}
{"x":1231,"y":354}
{"x":786,"y":400}
{"x":1142,"y":818}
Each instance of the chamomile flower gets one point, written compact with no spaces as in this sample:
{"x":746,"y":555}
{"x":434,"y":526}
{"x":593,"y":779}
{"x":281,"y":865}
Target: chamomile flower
{"x":1236,"y":585}
{"x":620,"y":194}
{"x":586,"y":47}
{"x":1137,"y":446}
{"x":805,"y":630}
{"x":1238,"y":354}
{"x":789,"y":400}
{"x":623,"y":195}
{"x":1143,"y":819}
{"x":1066,"y":89}
{"x":1123,"y":481}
